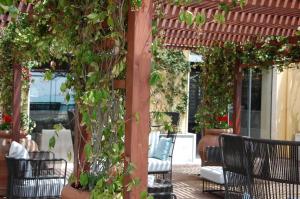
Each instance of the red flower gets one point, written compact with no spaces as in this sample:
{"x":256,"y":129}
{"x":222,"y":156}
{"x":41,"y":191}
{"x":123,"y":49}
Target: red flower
{"x":6,"y":118}
{"x":223,"y":118}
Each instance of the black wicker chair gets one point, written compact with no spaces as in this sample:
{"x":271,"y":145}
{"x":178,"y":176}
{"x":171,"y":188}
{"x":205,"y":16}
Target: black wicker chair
{"x":260,"y":169}
{"x":235,"y":167}
{"x":41,"y":176}
{"x":274,"y":168}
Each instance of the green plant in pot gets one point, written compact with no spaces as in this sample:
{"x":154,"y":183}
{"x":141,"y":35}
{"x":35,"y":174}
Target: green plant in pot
{"x":216,"y":87}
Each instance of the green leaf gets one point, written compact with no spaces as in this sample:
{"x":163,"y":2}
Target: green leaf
{"x":200,"y":19}
{"x":88,"y":151}
{"x":182,"y":16}
{"x":84,"y":179}
{"x":144,"y":195}
{"x":110,"y":22}
{"x":242,"y":3}
{"x":189,"y":17}
{"x":52,"y":142}
{"x":224,"y":7}
{"x":48,"y":75}
{"x":155,"y":78}
{"x":68,"y":97}
{"x":58,"y":127}
{"x":219,"y":17}
{"x":63,"y":87}
{"x":92,"y":16}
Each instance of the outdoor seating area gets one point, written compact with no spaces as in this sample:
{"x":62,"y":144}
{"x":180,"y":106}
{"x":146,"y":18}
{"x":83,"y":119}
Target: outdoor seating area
{"x":150,"y":99}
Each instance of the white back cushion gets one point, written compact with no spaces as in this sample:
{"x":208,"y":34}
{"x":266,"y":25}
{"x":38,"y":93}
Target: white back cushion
{"x":18,"y":151}
{"x":153,"y":142}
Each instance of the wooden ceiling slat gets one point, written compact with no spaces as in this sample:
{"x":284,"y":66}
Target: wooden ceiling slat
{"x":259,"y":18}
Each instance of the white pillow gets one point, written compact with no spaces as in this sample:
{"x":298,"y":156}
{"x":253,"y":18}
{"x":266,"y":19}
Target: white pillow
{"x":18,"y":151}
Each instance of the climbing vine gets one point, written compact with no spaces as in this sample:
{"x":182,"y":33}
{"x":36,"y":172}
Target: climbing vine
{"x":168,"y":84}
{"x":218,"y":72}
{"x":216,"y":85}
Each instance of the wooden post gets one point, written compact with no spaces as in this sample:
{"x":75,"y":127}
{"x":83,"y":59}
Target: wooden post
{"x":138,"y":96}
{"x":16,"y":115}
{"x":237,"y":99}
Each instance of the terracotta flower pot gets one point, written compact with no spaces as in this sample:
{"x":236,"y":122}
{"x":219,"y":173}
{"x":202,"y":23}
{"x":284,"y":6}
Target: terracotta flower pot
{"x":69,"y":192}
{"x":210,"y":138}
{"x":3,"y":175}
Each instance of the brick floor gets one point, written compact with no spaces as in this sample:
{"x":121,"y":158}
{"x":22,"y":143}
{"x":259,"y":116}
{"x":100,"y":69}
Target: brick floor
{"x":187,"y":183}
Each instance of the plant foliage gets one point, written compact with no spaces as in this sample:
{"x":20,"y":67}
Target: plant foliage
{"x":216,"y":85}
{"x":218,"y":72}
{"x":168,"y":84}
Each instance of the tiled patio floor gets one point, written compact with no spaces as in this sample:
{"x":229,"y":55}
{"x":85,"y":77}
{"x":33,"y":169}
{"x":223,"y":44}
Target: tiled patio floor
{"x":187,"y":185}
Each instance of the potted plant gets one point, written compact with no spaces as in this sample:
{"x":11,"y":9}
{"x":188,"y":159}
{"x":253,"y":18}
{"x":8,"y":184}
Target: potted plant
{"x":216,"y":87}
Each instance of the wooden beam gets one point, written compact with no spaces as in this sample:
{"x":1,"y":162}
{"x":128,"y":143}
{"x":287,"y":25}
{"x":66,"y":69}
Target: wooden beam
{"x":237,"y":99}
{"x":17,"y":89}
{"x":119,"y":84}
{"x":137,"y":126}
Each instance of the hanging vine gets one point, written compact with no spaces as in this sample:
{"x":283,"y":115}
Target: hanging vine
{"x":217,"y":72}
{"x":168,"y":85}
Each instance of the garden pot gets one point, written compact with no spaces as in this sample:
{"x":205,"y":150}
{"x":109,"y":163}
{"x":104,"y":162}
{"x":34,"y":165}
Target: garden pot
{"x":4,"y":147}
{"x":210,"y":138}
{"x":69,"y":192}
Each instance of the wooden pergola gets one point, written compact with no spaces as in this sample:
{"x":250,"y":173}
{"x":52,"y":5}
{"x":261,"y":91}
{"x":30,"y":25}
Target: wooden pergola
{"x":258,"y":19}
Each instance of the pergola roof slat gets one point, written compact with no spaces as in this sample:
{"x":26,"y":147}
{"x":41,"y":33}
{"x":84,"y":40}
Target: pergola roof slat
{"x":257,"y":19}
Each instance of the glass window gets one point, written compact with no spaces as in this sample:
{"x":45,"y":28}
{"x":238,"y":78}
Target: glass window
{"x":47,"y":103}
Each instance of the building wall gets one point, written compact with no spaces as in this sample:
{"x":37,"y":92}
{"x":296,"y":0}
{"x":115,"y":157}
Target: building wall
{"x":287,"y":104}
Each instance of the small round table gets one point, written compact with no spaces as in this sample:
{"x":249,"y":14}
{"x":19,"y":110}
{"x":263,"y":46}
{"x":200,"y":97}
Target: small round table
{"x":161,"y":190}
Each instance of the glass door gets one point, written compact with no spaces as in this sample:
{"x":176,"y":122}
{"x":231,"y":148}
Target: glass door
{"x":256,"y":103}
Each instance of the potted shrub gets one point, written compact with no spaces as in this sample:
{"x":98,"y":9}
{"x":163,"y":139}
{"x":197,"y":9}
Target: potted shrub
{"x":216,"y":87}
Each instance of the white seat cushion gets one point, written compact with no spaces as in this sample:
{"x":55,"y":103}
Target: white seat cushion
{"x":155,"y":165}
{"x":38,"y":188}
{"x":212,"y":173}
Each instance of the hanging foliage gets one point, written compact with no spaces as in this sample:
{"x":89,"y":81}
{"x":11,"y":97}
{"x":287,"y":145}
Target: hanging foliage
{"x":218,"y":67}
{"x":216,"y":85}
{"x":168,"y":84}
